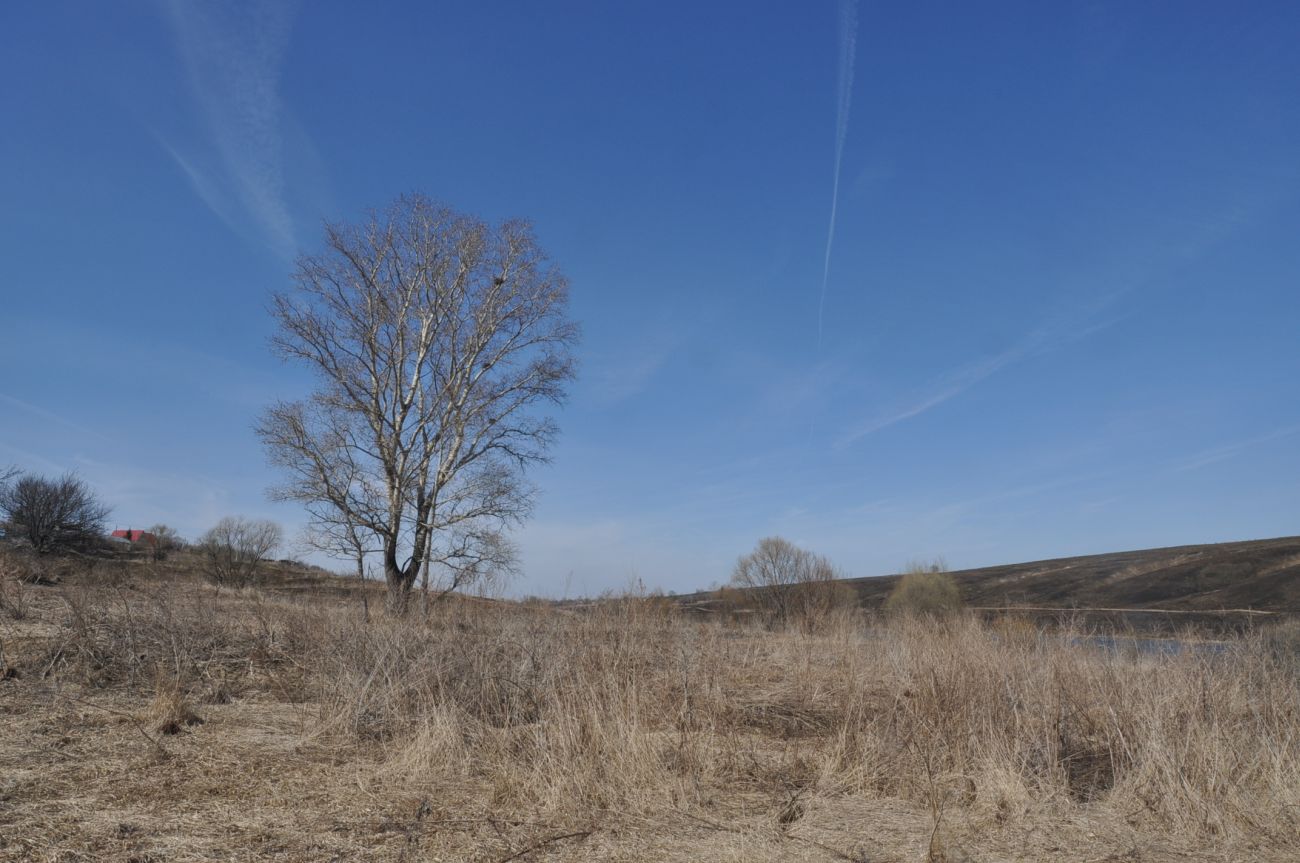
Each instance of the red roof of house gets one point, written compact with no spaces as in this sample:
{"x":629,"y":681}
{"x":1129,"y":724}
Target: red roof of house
{"x":136,"y":536}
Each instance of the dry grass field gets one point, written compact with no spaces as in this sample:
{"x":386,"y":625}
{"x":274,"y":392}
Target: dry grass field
{"x":147,"y":719}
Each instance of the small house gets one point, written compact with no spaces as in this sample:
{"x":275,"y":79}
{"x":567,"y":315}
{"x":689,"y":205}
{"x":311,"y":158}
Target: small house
{"x":136,"y":536}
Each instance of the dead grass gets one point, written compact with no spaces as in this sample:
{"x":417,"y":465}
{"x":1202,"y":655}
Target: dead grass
{"x":170,"y":711}
{"x":623,"y":731}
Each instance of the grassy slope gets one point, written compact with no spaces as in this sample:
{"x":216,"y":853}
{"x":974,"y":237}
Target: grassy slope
{"x":1262,"y":575}
{"x":1257,"y":574}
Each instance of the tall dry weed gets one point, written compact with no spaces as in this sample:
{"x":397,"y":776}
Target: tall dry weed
{"x":615,"y":708}
{"x":628,"y":705}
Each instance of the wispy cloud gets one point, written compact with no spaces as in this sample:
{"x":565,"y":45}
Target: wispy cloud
{"x":28,"y":460}
{"x":1227,"y":451}
{"x":621,"y":377}
{"x":50,"y":416}
{"x":1048,"y":337}
{"x":233,"y":53}
{"x":950,"y":386}
{"x":142,"y":495}
{"x":1078,"y":323}
{"x":203,"y":183}
{"x":844,"y":101}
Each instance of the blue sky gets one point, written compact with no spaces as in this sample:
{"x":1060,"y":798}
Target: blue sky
{"x":1058,"y":313}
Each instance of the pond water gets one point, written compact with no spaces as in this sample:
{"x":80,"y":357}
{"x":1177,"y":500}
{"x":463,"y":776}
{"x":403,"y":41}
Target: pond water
{"x":1150,"y":646}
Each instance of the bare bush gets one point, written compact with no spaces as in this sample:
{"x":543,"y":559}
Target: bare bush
{"x":14,"y":595}
{"x":234,"y":550}
{"x":53,"y":514}
{"x":788,"y":583}
{"x":217,"y":645}
{"x":166,"y":539}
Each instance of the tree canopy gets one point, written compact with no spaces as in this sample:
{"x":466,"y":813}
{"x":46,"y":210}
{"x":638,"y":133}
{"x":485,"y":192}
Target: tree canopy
{"x":436,"y":340}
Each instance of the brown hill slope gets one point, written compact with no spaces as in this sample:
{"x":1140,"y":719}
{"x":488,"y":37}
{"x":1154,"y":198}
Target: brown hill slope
{"x":1257,"y":574}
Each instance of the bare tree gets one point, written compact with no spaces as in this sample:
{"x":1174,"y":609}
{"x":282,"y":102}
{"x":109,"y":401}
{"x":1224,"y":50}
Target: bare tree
{"x":437,"y":341}
{"x":7,"y":473}
{"x":466,"y":558}
{"x":235,"y":549}
{"x":53,"y":514}
{"x":340,"y":539}
{"x":165,"y":540}
{"x":787,"y":582}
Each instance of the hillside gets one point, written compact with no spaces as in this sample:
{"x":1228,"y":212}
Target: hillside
{"x":1193,"y":581}
{"x":1230,"y":582}
{"x":1255,"y":575}
{"x":1260,"y":575}
{"x":286,"y":576}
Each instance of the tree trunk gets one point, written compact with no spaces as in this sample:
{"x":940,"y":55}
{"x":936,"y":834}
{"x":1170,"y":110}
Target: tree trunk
{"x":424,"y":588}
{"x":361,"y":583}
{"x":399,"y":586}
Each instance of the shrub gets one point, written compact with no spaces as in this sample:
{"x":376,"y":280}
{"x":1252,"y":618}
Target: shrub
{"x":234,"y":550}
{"x":925,"y":589}
{"x":53,"y":514}
{"x":13,"y":593}
{"x":166,"y":540}
{"x":788,"y":583}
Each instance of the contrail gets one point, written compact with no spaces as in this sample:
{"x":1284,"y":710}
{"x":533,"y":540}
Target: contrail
{"x":234,"y":52}
{"x":848,"y":48}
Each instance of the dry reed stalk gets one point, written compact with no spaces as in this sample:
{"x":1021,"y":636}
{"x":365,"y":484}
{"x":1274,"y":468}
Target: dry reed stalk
{"x":627,"y":706}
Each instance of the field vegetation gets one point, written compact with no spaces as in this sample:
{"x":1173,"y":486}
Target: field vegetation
{"x":148,"y":717}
